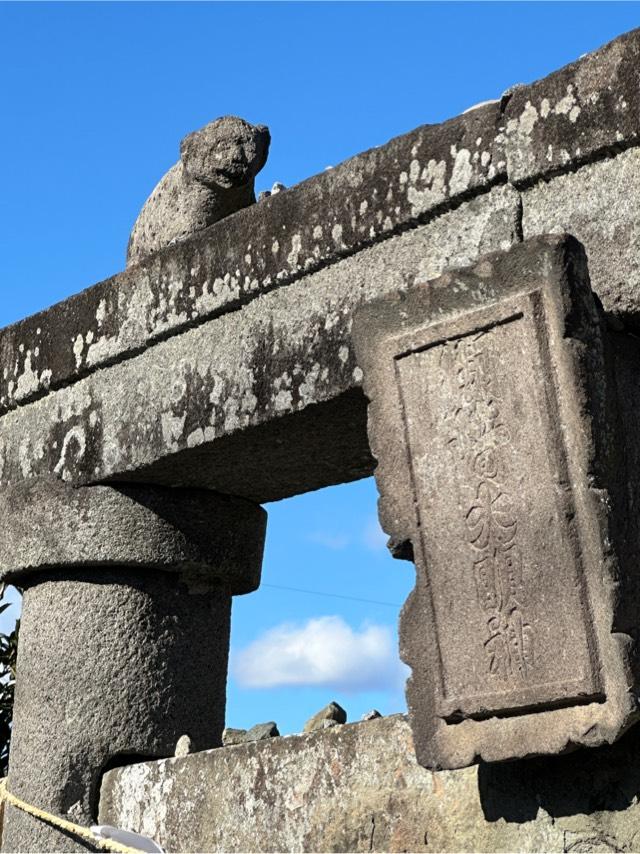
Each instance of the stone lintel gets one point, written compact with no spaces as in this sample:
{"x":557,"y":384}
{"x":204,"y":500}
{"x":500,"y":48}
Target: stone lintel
{"x":364,"y":200}
{"x":494,"y":421}
{"x":584,"y":111}
{"x":48,"y":525}
{"x":262,"y":403}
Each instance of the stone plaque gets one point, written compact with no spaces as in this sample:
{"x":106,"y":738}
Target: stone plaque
{"x":492,"y":424}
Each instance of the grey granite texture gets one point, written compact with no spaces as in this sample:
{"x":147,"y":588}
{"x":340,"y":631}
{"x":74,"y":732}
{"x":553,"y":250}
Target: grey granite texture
{"x":600,"y":205}
{"x":495,"y":423}
{"x":213,"y":179}
{"x":359,"y":788}
{"x":157,"y":655}
{"x":586,"y":110}
{"x":184,"y":746}
{"x":208,"y":538}
{"x":333,"y":713}
{"x":371,"y":715}
{"x":283,"y":365}
{"x":231,"y":735}
{"x":261,"y":731}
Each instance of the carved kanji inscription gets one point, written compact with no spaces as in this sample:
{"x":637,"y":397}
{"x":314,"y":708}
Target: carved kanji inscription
{"x":477,"y":419}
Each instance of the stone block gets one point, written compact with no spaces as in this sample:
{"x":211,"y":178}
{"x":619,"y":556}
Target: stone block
{"x":231,"y":736}
{"x":182,"y":413}
{"x":583,"y":111}
{"x":359,"y":788}
{"x":206,"y":537}
{"x":330,"y":714}
{"x":494,"y":420}
{"x":184,"y":746}
{"x":371,"y":715}
{"x":600,"y":205}
{"x":261,"y":731}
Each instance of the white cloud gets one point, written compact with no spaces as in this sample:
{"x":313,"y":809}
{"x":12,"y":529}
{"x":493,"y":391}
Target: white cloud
{"x":336,"y":542}
{"x":371,"y":536}
{"x":323,"y":651}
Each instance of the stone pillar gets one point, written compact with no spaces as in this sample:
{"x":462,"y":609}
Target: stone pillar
{"x":124,"y":638}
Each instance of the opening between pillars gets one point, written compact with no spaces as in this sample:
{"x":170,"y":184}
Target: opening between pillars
{"x":322,"y":626}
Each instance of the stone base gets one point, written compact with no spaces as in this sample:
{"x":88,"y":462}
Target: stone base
{"x":359,"y":788}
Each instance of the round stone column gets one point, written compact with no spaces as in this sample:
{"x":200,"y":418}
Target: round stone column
{"x":124,"y":639}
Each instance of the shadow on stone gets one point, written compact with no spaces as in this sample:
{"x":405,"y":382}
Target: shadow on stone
{"x":583,"y":782}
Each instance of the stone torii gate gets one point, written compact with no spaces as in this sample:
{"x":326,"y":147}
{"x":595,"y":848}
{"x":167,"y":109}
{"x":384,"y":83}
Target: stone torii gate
{"x":144,"y":421}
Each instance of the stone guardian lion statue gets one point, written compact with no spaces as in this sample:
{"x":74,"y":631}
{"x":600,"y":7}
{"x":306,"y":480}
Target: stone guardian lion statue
{"x":213,"y":178}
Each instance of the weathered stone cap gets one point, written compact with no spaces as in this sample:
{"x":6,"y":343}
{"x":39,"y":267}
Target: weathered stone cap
{"x":258,"y":732}
{"x":577,"y":114}
{"x":331,"y":714}
{"x":46,"y":524}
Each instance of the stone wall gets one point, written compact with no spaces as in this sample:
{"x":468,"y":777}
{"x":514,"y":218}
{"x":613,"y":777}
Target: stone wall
{"x":359,"y":788}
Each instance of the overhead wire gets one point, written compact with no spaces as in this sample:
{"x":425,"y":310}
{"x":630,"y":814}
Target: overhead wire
{"x":331,"y":595}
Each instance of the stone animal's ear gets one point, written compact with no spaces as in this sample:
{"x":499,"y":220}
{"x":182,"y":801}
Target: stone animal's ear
{"x":263,"y":141}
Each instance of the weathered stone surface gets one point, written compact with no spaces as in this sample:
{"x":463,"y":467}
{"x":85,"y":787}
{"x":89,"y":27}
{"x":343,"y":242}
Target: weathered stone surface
{"x":206,"y":537}
{"x":332,"y":712}
{"x":266,"y":366}
{"x":360,"y":788}
{"x":261,"y":731}
{"x":371,"y":715}
{"x":213,"y":179}
{"x":111,"y":667}
{"x":233,"y":736}
{"x":585,"y":110}
{"x":226,"y":362}
{"x":600,"y":205}
{"x":184,"y":746}
{"x":494,"y":420}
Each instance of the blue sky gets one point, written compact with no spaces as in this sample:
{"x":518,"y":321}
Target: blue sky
{"x":94,"y":101}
